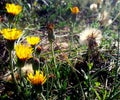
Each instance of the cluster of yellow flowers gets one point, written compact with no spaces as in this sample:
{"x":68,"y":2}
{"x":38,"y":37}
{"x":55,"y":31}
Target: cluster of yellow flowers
{"x":23,"y":51}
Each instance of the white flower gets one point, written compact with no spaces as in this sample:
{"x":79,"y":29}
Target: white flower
{"x":103,"y":17}
{"x":93,"y":7}
{"x":109,"y":22}
{"x":27,"y":68}
{"x":90,"y":34}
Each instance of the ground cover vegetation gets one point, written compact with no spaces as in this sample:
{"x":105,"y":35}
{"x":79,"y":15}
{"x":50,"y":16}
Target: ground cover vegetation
{"x":59,"y":49}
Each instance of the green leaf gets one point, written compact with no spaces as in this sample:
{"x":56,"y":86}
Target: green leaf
{"x":97,"y":84}
{"x":90,"y":65}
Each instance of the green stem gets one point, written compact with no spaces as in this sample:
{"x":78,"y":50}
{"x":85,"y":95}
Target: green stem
{"x":71,"y":36}
{"x":97,"y":95}
{"x":47,"y":82}
{"x":53,"y":55}
{"x":43,"y":97}
{"x":83,"y":94}
{"x":54,"y":61}
{"x":88,"y":83}
{"x":12,"y":72}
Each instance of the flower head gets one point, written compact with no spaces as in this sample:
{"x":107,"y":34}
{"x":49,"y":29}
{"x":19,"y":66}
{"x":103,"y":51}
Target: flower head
{"x":11,"y":34}
{"x":109,"y":22}
{"x":13,"y":9}
{"x":37,"y":78}
{"x":91,"y":37}
{"x":51,"y":33}
{"x":93,"y":7}
{"x":103,"y":17}
{"x":75,"y":10}
{"x":50,"y":26}
{"x":27,"y":68}
{"x":38,"y":49}
{"x":33,"y":40}
{"x":23,"y":51}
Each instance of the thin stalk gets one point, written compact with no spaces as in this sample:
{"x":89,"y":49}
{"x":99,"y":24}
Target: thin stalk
{"x":97,"y":95}
{"x":12,"y":72}
{"x":53,"y":55}
{"x":54,"y":60}
{"x":71,"y":36}
{"x":55,"y":64}
{"x":43,"y":96}
{"x":47,"y":82}
{"x":88,"y":83}
{"x":83,"y":94}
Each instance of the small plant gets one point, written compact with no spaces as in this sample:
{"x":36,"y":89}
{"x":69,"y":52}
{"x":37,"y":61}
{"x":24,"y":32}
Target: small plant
{"x":59,"y":50}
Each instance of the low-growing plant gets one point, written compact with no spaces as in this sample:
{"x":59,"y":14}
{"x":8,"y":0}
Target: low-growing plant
{"x":59,"y":50}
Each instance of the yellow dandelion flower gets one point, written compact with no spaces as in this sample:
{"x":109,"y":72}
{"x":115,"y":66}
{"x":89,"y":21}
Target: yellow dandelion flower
{"x":33,"y":40}
{"x":75,"y":10}
{"x":11,"y":34}
{"x":13,"y":9}
{"x":37,"y":78}
{"x":23,"y":51}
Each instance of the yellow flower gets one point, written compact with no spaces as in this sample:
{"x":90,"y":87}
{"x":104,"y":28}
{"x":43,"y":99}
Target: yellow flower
{"x":13,"y":9}
{"x":33,"y":40}
{"x":75,"y":10}
{"x":11,"y":34}
{"x":37,"y":78}
{"x":23,"y":51}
